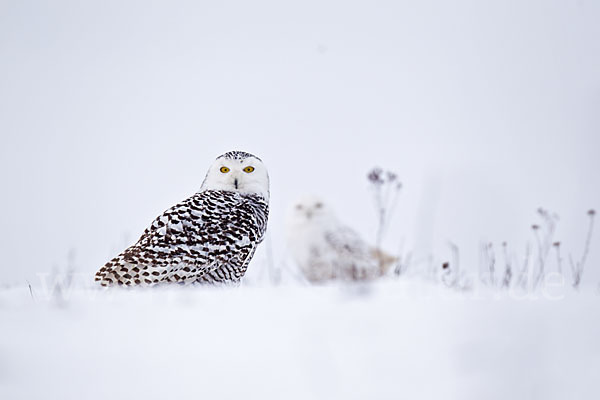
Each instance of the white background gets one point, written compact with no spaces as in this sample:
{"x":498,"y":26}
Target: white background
{"x":111,"y":112}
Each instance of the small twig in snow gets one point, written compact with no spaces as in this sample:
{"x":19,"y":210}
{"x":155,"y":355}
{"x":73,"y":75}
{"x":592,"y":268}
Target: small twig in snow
{"x":30,"y":291}
{"x":556,"y":246}
{"x":507,"y":266}
{"x":577,"y":268}
{"x":522,"y":281}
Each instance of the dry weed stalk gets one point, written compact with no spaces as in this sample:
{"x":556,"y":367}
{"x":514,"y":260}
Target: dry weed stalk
{"x":544,"y":238}
{"x":508,"y":273}
{"x":451,"y":275}
{"x":386,"y":189}
{"x":577,"y":267}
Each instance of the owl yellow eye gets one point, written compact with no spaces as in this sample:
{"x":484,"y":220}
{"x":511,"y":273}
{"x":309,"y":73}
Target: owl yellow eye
{"x":224,"y":170}
{"x":248,"y":169}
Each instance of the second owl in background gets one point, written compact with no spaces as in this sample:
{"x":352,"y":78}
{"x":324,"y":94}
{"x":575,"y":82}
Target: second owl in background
{"x":325,"y":249}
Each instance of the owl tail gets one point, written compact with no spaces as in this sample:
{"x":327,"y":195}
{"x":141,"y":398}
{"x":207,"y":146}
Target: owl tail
{"x":114,"y":272}
{"x":122,"y":271}
{"x":384,"y":260}
{"x":119,"y":271}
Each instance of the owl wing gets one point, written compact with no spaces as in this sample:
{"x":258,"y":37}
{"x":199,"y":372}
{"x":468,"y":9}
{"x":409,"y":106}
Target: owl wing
{"x":232,"y":270}
{"x":209,"y":231}
{"x":354,"y":258}
{"x":165,"y":251}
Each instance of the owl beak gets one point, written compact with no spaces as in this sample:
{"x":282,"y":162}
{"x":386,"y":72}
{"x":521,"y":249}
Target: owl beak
{"x":235,"y":183}
{"x":309,"y":214}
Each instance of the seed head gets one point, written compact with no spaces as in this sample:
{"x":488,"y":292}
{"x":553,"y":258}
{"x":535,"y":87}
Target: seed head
{"x":375,"y":176}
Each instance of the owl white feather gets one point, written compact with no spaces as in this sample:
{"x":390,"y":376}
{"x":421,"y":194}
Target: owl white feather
{"x":325,"y":249}
{"x":209,"y":237}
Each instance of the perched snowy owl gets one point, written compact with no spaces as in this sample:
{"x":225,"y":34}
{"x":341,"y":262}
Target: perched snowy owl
{"x":324,"y":249}
{"x":207,"y":238}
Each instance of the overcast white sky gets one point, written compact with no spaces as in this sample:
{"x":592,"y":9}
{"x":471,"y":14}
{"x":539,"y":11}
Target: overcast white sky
{"x":111,"y":112}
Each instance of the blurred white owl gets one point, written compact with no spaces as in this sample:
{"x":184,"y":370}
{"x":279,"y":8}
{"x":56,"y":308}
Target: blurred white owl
{"x":325,"y":249}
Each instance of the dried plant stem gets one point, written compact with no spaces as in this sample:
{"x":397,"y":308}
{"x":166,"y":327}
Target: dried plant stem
{"x":507,"y":267}
{"x":30,"y":291}
{"x":455,"y":270}
{"x":491,"y":263}
{"x":540,"y":271}
{"x":558,"y":258}
{"x":386,"y":188}
{"x":577,"y":267}
{"x":522,"y":281}
{"x":588,"y":240}
{"x":543,"y":246}
{"x":403,"y":261}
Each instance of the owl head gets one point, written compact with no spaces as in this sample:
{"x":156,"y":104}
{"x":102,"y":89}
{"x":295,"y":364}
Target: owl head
{"x":238,"y":171}
{"x":310,"y":210}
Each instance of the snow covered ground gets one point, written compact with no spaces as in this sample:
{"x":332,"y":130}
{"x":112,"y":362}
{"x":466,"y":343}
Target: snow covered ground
{"x":395,"y":339}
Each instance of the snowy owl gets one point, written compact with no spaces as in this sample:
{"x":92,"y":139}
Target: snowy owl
{"x":325,"y":249}
{"x":208,"y":238}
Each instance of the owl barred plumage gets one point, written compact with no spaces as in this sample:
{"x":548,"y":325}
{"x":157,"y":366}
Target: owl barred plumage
{"x":208,"y":238}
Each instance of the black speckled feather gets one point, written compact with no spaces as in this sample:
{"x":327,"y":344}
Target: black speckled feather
{"x":208,"y":238}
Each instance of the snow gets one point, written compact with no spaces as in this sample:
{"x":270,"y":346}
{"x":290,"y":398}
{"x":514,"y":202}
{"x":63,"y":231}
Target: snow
{"x":392,"y":339}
